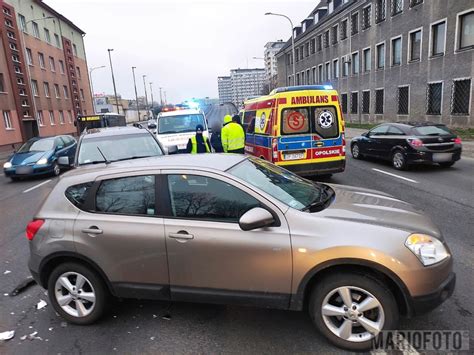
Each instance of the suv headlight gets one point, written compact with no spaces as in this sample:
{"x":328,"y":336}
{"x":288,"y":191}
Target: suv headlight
{"x":42,"y":161}
{"x":7,"y":165}
{"x":429,"y":250}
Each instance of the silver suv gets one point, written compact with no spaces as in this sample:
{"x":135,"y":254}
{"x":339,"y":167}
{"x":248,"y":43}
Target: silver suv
{"x":236,"y":229}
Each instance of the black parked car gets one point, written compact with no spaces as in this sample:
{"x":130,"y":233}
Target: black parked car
{"x":409,"y":143}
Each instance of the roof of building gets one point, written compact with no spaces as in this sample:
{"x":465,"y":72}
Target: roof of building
{"x":247,"y":70}
{"x":59,"y":16}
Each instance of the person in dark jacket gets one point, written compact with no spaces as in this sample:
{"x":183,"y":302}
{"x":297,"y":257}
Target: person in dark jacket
{"x":216,"y":142}
{"x":198,"y":143}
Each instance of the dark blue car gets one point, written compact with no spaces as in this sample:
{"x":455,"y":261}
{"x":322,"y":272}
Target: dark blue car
{"x":38,"y":156}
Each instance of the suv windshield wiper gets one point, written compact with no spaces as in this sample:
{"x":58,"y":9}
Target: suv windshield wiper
{"x":318,"y":204}
{"x":134,"y":157}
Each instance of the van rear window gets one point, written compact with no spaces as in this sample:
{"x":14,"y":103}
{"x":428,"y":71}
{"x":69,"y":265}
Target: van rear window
{"x":295,"y":121}
{"x":325,"y":122}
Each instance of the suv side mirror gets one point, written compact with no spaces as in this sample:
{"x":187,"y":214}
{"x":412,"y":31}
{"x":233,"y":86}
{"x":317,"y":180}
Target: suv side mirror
{"x":256,"y":218}
{"x":64,"y":161}
{"x":172,"y":149}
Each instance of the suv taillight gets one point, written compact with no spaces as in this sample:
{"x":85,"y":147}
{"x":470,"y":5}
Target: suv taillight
{"x":415,"y":142}
{"x":457,"y":140}
{"x":33,"y":227}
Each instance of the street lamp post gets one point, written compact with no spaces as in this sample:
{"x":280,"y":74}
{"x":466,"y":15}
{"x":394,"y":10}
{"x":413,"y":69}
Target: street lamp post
{"x":113,"y":80}
{"x":92,"y":85}
{"x":136,"y":93}
{"x":146,"y":95}
{"x":151,"y":93}
{"x":292,"y":41}
{"x":161,"y":97}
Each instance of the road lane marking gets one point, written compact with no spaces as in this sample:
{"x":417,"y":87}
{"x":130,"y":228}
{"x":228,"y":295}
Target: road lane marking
{"x":395,"y":175}
{"x":36,"y":186}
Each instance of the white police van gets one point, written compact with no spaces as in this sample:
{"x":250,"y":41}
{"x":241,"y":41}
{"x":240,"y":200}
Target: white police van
{"x":174,"y":128}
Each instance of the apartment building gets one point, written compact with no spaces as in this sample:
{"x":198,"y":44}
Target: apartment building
{"x":241,"y":85}
{"x":390,"y":60}
{"x":224,"y":87}
{"x":44,"y":81}
{"x":271,"y":68}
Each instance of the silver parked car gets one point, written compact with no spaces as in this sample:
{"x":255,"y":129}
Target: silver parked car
{"x":237,"y":229}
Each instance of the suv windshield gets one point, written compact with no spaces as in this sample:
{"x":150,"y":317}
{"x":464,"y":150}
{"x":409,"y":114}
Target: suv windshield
{"x":434,"y":130}
{"x":180,"y":123}
{"x":41,"y":145}
{"x":283,"y":185}
{"x":116,"y":148}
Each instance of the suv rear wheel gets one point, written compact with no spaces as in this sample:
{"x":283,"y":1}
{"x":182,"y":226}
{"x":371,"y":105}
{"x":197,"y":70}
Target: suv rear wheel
{"x":77,"y":293}
{"x":350,"y":309}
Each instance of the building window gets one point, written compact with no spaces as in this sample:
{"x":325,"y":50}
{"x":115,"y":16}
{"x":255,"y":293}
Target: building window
{"x":415,"y":46}
{"x":69,"y":116}
{"x":74,"y":49}
{"x":298,"y":79}
{"x":66,"y":92}
{"x":61,"y":117}
{"x":438,"y":35}
{"x":83,"y":97}
{"x":343,"y":31}
{"x":344,"y":103}
{"x":308,"y":81}
{"x":16,"y":58}
{"x":312,"y":45}
{"x":34,"y":85}
{"x":434,"y":94}
{"x":354,"y":102}
{"x":365,"y":102}
{"x":397,"y":7}
{"x":319,"y":43}
{"x":326,"y":39}
{"x":320,"y":73}
{"x":297,"y":54}
{"x":2,"y":83}
{"x":334,"y":34}
{"x":367,"y":60}
{"x":379,"y":96}
{"x":7,"y":120}
{"x":306,"y":53}
{"x":366,"y":17}
{"x":413,"y":3}
{"x":52,"y":64}
{"x":41,"y":60}
{"x":379,"y":11}
{"x":61,"y":66}
{"x":345,"y":66}
{"x":461,"y":96}
{"x":301,"y":52}
{"x":315,"y":79}
{"x":39,"y":116}
{"x":22,"y":22}
{"x":56,"y":91}
{"x":335,"y":68}
{"x":29,"y":56}
{"x":36,"y":32}
{"x":328,"y":71}
{"x":396,"y":51}
{"x":403,"y":100}
{"x":466,"y":30}
{"x":47,"y":35}
{"x":354,"y":23}
{"x":51,"y":118}
{"x":355,"y":63}
{"x":380,"y":49}
{"x":58,"y":42}
{"x":46,"y":89}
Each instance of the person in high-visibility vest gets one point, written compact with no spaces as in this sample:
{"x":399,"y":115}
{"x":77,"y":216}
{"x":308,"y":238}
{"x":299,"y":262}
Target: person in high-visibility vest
{"x":233,"y":136}
{"x":198,"y":143}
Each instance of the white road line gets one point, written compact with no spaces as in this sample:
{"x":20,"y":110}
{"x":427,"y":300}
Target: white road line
{"x":395,"y":175}
{"x":36,"y":186}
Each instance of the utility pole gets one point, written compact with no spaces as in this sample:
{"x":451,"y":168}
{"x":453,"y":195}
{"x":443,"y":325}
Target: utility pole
{"x":161,"y":97}
{"x":113,"y":81}
{"x":136,"y":93}
{"x":165,"y":97}
{"x":146,"y":95}
{"x":151,"y":93}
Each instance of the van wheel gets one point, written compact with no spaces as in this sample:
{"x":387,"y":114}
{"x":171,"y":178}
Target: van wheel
{"x":77,"y":293}
{"x":350,"y":309}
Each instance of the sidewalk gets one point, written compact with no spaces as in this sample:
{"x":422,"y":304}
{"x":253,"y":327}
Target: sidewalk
{"x":467,"y":146}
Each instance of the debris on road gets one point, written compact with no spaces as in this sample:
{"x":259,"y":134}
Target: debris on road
{"x":6,"y":272}
{"x":64,"y":324}
{"x":41,"y":304}
{"x":23,"y":337}
{"x":166,"y":317}
{"x":29,"y":281}
{"x":5,"y":294}
{"x":50,"y":329}
{"x":152,"y":338}
{"x":154,"y":316}
{"x":33,"y":336}
{"x":7,"y":335}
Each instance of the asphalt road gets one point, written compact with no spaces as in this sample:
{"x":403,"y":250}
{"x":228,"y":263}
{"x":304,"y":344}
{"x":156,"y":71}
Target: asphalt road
{"x":131,"y":326}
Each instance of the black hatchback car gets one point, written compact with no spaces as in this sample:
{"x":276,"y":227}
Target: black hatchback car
{"x":409,"y":143}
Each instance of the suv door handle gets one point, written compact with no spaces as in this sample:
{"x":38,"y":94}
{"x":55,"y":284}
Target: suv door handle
{"x":92,"y":231}
{"x":181,"y":235}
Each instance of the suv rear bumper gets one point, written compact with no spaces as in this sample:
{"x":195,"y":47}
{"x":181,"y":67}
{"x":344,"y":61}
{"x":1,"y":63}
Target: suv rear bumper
{"x":426,"y":303}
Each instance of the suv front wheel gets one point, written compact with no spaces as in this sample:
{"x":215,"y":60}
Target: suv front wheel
{"x":77,"y":293}
{"x":350,"y":309}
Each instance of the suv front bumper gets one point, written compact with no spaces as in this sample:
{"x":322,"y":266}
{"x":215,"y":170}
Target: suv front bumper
{"x":426,"y":303}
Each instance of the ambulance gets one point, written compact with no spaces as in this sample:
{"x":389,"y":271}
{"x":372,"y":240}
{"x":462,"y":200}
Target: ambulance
{"x":300,"y":128}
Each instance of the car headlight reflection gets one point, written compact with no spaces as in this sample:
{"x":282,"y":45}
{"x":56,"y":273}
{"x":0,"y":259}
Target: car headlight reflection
{"x":7,"y":165}
{"x":429,"y":250}
{"x":42,"y":161}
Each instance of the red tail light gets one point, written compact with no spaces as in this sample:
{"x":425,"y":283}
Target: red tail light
{"x":33,"y":227}
{"x":415,"y":142}
{"x":457,"y":140}
{"x":275,"y":149}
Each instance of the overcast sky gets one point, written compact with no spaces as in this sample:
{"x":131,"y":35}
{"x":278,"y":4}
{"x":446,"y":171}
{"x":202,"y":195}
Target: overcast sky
{"x":181,"y":45}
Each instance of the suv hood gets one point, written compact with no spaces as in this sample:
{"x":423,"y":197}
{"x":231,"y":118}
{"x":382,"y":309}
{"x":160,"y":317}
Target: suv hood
{"x":374,"y":207}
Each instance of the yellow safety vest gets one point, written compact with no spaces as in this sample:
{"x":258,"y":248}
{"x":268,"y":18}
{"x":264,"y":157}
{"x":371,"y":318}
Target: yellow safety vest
{"x":194,"y":143}
{"x":233,"y":137}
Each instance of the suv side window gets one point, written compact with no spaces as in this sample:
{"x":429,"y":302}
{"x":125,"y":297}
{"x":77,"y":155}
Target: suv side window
{"x":129,"y":195}
{"x":199,"y":197}
{"x":77,"y":194}
{"x":379,"y":131}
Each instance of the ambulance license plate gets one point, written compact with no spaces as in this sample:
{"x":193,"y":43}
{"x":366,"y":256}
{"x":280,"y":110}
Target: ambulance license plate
{"x":294,"y":156}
